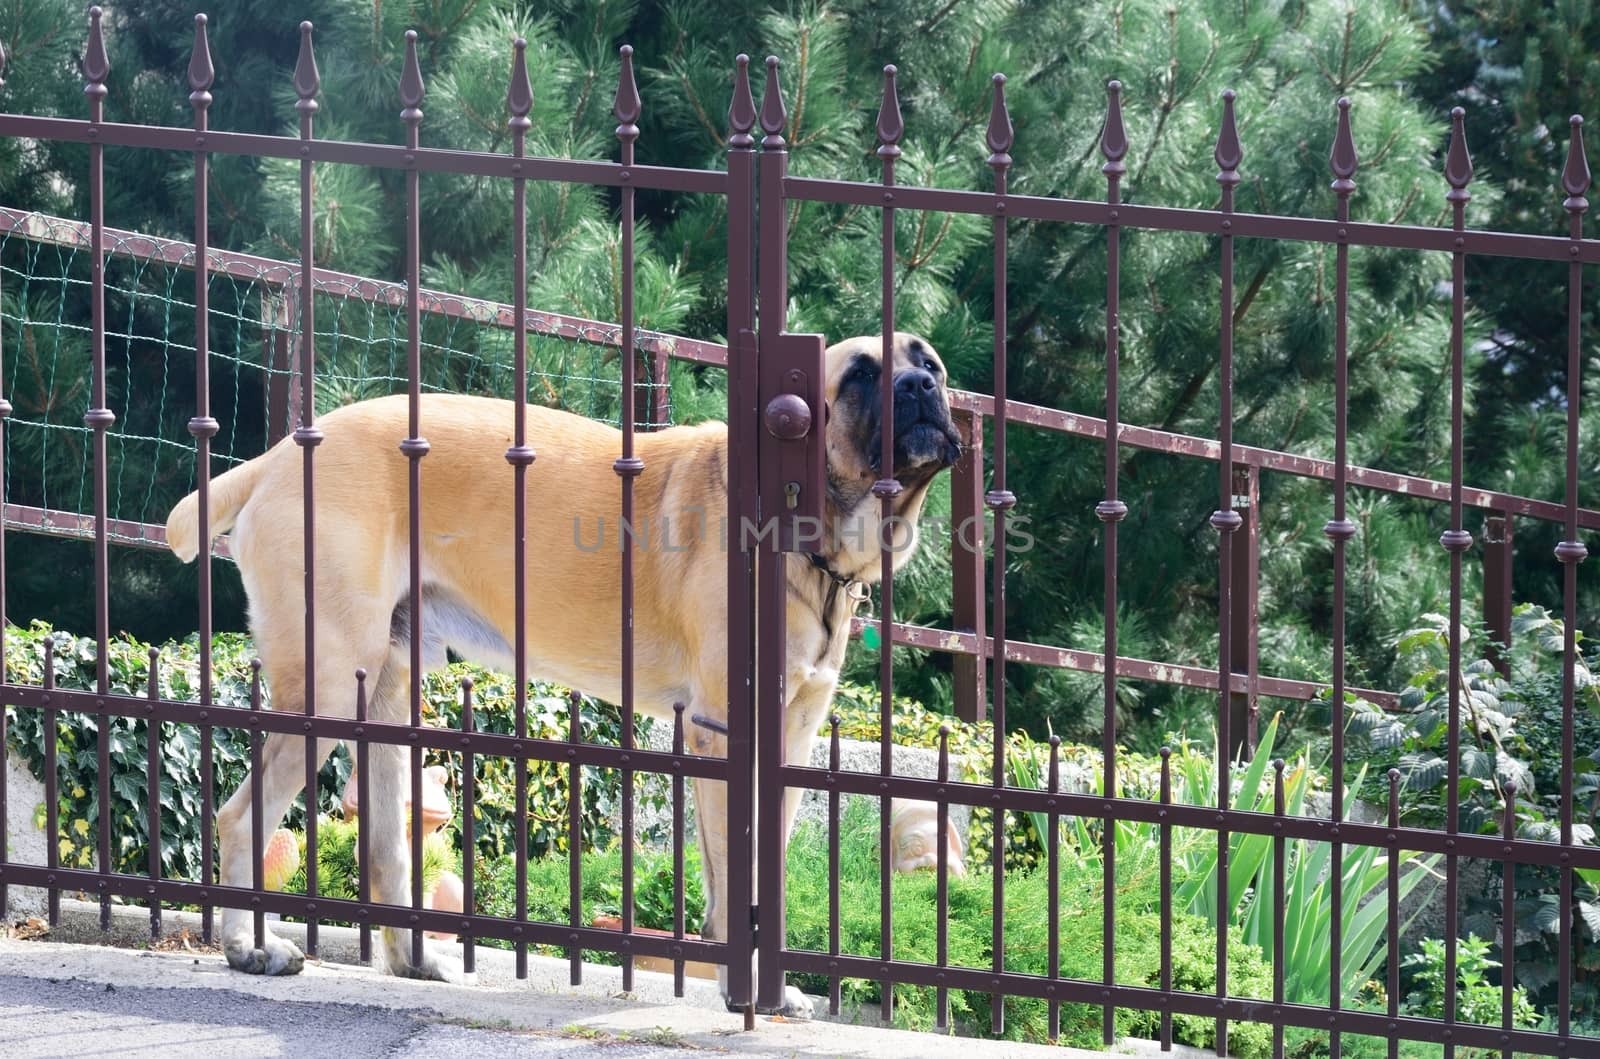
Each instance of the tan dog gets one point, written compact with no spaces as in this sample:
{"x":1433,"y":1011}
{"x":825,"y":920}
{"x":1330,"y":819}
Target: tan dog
{"x":680,"y":601}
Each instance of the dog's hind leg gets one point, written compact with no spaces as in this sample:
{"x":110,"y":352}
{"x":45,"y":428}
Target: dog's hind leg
{"x":283,"y":772}
{"x":389,"y":784}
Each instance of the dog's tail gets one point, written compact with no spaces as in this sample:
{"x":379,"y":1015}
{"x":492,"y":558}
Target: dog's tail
{"x":229,"y":493}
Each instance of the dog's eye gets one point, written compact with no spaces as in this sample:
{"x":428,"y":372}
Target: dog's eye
{"x":933,"y":367}
{"x":861,"y":371}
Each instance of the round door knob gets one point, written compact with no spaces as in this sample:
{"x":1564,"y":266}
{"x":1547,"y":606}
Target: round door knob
{"x":788,"y":417}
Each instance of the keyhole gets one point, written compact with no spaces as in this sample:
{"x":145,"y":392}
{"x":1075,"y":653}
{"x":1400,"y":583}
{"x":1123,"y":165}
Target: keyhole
{"x":791,"y":495}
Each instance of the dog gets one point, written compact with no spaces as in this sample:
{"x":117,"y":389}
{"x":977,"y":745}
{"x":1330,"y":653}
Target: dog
{"x":574,"y":588}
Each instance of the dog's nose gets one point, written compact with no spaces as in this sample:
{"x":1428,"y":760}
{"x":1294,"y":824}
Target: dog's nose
{"x":914,"y":382}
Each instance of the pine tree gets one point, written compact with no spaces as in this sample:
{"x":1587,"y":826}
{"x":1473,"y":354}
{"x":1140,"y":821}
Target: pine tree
{"x":1287,"y":61}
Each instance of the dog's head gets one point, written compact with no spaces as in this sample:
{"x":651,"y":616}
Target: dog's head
{"x":925,"y":443}
{"x":925,"y":438}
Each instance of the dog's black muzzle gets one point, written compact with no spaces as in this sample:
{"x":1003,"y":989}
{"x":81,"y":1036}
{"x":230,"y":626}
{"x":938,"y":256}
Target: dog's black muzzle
{"x":925,"y":439}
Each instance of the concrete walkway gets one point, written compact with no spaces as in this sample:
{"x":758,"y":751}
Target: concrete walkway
{"x":60,"y":997}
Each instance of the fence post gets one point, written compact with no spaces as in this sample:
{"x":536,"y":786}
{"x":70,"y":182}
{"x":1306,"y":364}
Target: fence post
{"x":279,"y":357}
{"x":967,"y":537}
{"x":656,"y":406}
{"x":1245,"y":542}
{"x":1497,"y":532}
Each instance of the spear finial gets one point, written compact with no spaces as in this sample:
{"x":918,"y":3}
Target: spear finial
{"x":96,"y":65}
{"x":1000,"y":135}
{"x":627,"y":106}
{"x":1113,"y":137}
{"x":306,"y":79}
{"x":1458,"y":162}
{"x":1228,"y":153}
{"x":773,"y":117}
{"x":411,"y":83}
{"x":742,"y":109}
{"x":1575,"y":176}
{"x":890,"y":125}
{"x":519,"y":96}
{"x":201,"y":72}
{"x":1342,"y":160}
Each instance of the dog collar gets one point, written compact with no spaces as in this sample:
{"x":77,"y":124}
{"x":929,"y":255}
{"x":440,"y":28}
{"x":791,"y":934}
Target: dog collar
{"x":853,"y":588}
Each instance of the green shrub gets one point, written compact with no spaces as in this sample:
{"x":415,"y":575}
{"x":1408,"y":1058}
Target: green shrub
{"x":180,"y":780}
{"x":970,"y":922}
{"x":1477,"y":998}
{"x":1510,"y":735}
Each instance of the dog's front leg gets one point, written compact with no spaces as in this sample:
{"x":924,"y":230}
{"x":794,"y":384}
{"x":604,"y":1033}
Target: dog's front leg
{"x":711,"y":827}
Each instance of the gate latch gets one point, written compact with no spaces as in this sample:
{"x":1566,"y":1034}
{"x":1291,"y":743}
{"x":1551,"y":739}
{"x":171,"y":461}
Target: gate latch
{"x":792,"y":459}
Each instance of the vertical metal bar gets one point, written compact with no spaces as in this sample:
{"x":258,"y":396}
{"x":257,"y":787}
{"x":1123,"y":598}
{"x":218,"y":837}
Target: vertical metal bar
{"x":1279,"y":871}
{"x":1571,"y":551}
{"x":258,"y":837}
{"x":519,"y":101}
{"x":1166,"y":898}
{"x":52,"y":794}
{"x":998,"y":137}
{"x":1508,"y":919}
{"x":1393,"y":891}
{"x":1455,"y":540}
{"x":5,"y":413}
{"x":99,"y":418}
{"x":308,"y":437}
{"x":574,"y":842}
{"x":628,"y":467}
{"x":363,"y":833}
{"x":1226,"y":521}
{"x":415,"y":447}
{"x":942,"y":884}
{"x":202,"y":426}
{"x":771,"y":695}
{"x":966,"y":565}
{"x":152,"y":795}
{"x":1053,"y":908}
{"x":1339,"y":529}
{"x":1497,"y":552}
{"x":469,"y":838}
{"x":1111,"y":511}
{"x":833,"y":865}
{"x":740,"y":789}
{"x":890,"y":128}
{"x":677,"y":850}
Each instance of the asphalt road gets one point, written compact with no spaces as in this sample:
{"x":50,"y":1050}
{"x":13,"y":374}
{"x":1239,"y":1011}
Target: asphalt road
{"x":53,"y":1018}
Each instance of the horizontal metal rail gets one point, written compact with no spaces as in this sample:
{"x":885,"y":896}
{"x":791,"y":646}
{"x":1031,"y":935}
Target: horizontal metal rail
{"x":1200,"y":221}
{"x":373,"y":913}
{"x":1201,"y":817}
{"x":377,"y":155}
{"x":949,"y":641}
{"x":1176,"y":1002}
{"x":428,"y":737}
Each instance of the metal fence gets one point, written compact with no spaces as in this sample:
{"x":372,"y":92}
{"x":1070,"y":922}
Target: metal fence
{"x":762,"y":361}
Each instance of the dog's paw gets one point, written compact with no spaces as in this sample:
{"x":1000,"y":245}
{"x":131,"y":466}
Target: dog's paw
{"x":275,"y":956}
{"x":796,"y":1005}
{"x":437,"y":965}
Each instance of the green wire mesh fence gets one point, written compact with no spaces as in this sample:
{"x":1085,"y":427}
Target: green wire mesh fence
{"x":360,"y":348}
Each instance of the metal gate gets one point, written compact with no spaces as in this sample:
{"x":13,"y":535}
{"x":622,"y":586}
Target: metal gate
{"x":776,"y":474}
